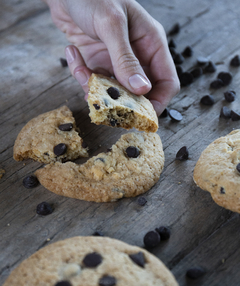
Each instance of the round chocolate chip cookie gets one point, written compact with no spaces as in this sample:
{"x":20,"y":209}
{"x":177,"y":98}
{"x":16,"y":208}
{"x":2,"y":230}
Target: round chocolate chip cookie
{"x":218,"y":171}
{"x":50,"y":137}
{"x":91,"y":261}
{"x":131,"y":167}
{"x":112,"y":104}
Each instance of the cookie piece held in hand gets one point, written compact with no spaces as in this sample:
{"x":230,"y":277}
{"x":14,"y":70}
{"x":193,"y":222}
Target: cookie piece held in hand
{"x":216,"y":171}
{"x":61,"y":264}
{"x":112,"y":104}
{"x":112,"y":175}
{"x":40,"y":136}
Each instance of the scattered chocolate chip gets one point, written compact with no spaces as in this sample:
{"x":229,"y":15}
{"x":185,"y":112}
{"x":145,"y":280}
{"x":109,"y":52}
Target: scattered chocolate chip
{"x":66,"y":127}
{"x":164,"y":232}
{"x":182,"y":154}
{"x":173,"y":52}
{"x":141,"y":201}
{"x":113,"y":122}
{"x":235,"y":62}
{"x":226,"y":77}
{"x":138,"y":258}
{"x":63,"y":62}
{"x":217,"y":83}
{"x":113,"y":92}
{"x":230,"y":95}
{"x":92,"y":259}
{"x":44,"y":208}
{"x":164,"y":113}
{"x":175,"y":29}
{"x":238,"y":167}
{"x":97,"y":107}
{"x":225,"y":112}
{"x":172,"y":44}
{"x":222,"y":191}
{"x":30,"y":182}
{"x":178,"y":59}
{"x":98,"y":233}
{"x":132,"y":152}
{"x":202,"y":61}
{"x":210,"y":68}
{"x":63,"y":283}
{"x":151,"y":239}
{"x":197,"y":72}
{"x":84,"y":144}
{"x":175,"y":115}
{"x":185,"y":78}
{"x":179,"y":70}
{"x":235,"y":115}
{"x":207,"y":100}
{"x":187,"y":52}
{"x":107,"y":280}
{"x":60,"y":149}
{"x":195,"y":272}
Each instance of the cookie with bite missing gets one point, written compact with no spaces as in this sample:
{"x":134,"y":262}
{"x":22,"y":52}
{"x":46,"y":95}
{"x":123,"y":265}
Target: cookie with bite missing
{"x":112,"y":104}
{"x":50,"y":137}
{"x":131,"y":167}
{"x":91,"y":261}
{"x":218,"y":171}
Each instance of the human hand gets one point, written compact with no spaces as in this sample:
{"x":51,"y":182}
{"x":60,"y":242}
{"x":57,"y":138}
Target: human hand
{"x":117,"y":38}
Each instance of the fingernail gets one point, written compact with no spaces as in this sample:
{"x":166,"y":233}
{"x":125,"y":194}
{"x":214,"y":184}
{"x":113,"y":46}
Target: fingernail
{"x":81,"y":77}
{"x":70,"y":54}
{"x":136,"y":81}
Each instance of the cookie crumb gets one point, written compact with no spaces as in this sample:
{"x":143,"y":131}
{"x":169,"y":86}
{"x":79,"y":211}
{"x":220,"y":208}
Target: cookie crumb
{"x":48,"y":239}
{"x":2,"y":172}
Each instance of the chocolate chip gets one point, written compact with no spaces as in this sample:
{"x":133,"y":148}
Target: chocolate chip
{"x":63,"y":283}
{"x":60,"y":149}
{"x":84,"y":145}
{"x":172,"y":44}
{"x":164,"y":113}
{"x":107,"y":280}
{"x":235,"y":115}
{"x":63,"y":62}
{"x":164,"y":232}
{"x":113,"y":92}
{"x":100,"y":159}
{"x":141,"y":201}
{"x":195,"y":272}
{"x":185,"y":78}
{"x":175,"y":115}
{"x":30,"y":182}
{"x":202,"y":61}
{"x":175,"y":29}
{"x":138,"y":258}
{"x":187,"y":52}
{"x":113,"y":122}
{"x":225,"y":112}
{"x":197,"y":72}
{"x":182,"y":154}
{"x":179,"y":70}
{"x":178,"y":59}
{"x":207,"y":100}
{"x":98,"y":233}
{"x":210,"y":68}
{"x":238,"y":167}
{"x":44,"y":208}
{"x":97,"y":107}
{"x":222,"y":191}
{"x":151,"y":239}
{"x":66,"y":127}
{"x":217,"y":83}
{"x":230,"y":95}
{"x":92,"y":259}
{"x":132,"y":152}
{"x":235,"y":62}
{"x":226,"y":78}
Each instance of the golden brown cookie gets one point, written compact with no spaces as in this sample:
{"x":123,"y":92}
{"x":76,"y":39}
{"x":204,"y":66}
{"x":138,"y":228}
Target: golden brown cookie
{"x":50,"y":137}
{"x":113,"y":105}
{"x":218,"y":171}
{"x":91,"y":261}
{"x":132,"y":167}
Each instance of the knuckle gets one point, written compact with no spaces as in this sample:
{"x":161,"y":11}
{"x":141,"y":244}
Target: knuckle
{"x":115,"y":19}
{"x":127,"y":61}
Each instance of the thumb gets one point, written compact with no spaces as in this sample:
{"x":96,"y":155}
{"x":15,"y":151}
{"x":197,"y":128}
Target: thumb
{"x":126,"y":66}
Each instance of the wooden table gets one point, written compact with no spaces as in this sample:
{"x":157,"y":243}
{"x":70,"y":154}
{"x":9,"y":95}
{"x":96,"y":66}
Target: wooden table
{"x":33,"y":82}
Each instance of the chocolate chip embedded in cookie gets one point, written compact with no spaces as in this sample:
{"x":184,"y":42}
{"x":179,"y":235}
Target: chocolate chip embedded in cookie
{"x":130,"y":168}
{"x":216,"y":171}
{"x":61,"y":264}
{"x":113,"y":105}
{"x":50,"y":137}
